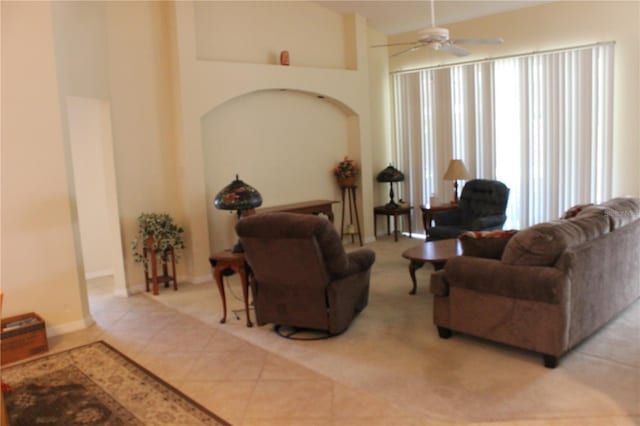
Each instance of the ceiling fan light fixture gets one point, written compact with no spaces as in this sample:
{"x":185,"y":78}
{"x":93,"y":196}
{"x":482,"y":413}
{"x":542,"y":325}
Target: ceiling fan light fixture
{"x":428,"y":35}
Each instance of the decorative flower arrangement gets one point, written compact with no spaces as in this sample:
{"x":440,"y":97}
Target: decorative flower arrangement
{"x":346,"y":169}
{"x":165,"y":233}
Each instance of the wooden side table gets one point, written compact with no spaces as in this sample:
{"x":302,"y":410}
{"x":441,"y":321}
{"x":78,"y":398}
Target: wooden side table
{"x":428,"y":212}
{"x":222,"y":262}
{"x":384,"y":211}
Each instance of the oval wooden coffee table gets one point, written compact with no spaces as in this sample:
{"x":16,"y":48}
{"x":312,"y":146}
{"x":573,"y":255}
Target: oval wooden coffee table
{"x":435,"y":252}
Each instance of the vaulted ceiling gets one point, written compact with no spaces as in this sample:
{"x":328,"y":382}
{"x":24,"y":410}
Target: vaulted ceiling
{"x":394,"y":17}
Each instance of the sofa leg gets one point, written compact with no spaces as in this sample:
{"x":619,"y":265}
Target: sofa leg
{"x":550,"y":361}
{"x":444,"y":333}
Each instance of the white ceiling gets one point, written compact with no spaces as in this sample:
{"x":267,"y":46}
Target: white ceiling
{"x":400,"y":16}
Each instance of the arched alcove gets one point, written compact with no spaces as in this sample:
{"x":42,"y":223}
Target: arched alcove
{"x":285,"y":143}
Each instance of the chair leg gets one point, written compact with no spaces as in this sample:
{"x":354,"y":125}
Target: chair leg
{"x":444,"y":333}
{"x":550,"y":361}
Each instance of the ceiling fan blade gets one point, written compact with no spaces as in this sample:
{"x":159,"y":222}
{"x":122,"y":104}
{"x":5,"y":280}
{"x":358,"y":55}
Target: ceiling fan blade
{"x":411,"y":49}
{"x":405,"y":43}
{"x":477,"y":41}
{"x":450,"y":48}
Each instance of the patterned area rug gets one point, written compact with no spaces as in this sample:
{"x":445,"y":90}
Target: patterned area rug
{"x":96,"y":385}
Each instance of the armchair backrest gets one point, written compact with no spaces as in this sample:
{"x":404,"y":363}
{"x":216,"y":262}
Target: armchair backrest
{"x":290,"y":237}
{"x":293,"y":258}
{"x":483,"y":197}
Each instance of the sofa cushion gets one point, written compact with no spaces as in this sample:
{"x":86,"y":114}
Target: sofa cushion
{"x":487,"y":244}
{"x":542,"y":244}
{"x":573,"y":211}
{"x":622,"y":211}
{"x":593,"y":225}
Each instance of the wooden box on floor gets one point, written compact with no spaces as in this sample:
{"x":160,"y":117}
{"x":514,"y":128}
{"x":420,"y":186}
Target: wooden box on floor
{"x":22,"y":336}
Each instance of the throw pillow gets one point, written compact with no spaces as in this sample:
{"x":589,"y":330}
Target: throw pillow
{"x":487,"y":244}
{"x":573,"y":211}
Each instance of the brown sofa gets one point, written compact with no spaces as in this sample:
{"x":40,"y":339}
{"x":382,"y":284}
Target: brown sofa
{"x":302,"y":276}
{"x":555,"y":285}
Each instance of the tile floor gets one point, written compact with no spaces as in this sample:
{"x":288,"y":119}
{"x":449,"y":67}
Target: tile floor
{"x":249,"y":376}
{"x":242,"y":383}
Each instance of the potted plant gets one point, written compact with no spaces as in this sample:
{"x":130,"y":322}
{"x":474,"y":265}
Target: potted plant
{"x":346,"y":172}
{"x":158,"y":237}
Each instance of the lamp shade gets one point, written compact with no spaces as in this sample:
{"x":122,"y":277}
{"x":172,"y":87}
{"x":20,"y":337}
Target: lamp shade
{"x":390,"y":174}
{"x":237,"y":196}
{"x":456,"y":171}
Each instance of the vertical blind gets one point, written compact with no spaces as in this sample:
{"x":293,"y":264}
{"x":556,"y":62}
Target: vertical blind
{"x":540,"y":123}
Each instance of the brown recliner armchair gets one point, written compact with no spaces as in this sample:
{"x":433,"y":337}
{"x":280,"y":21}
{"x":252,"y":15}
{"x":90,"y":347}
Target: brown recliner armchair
{"x":302,"y":276}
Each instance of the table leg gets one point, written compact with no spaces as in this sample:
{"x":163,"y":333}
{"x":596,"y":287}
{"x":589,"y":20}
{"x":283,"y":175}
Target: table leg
{"x":438,"y":265}
{"x":218,"y":275}
{"x":395,"y":228}
{"x":388,"y":225}
{"x":375,"y":227}
{"x":413,"y":267}
{"x":245,"y":293}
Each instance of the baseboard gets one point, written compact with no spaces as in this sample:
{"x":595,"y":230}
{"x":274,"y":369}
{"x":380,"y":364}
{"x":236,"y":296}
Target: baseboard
{"x":69,"y":327}
{"x":98,"y":274}
{"x":368,"y":240}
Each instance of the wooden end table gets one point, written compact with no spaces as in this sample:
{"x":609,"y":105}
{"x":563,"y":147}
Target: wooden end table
{"x":384,"y":211}
{"x":228,"y":261}
{"x":435,"y":252}
{"x":428,"y":212}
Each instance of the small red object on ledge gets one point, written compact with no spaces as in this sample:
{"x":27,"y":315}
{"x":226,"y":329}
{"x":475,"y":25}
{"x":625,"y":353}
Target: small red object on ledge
{"x":284,"y":57}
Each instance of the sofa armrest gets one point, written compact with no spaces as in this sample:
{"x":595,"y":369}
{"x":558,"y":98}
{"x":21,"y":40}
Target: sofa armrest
{"x":487,"y":222}
{"x":358,"y":261}
{"x":438,"y":284}
{"x":448,"y":217}
{"x":536,"y":283}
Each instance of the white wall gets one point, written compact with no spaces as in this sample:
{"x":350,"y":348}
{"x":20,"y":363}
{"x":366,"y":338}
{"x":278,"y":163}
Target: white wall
{"x":39,"y":268}
{"x":86,"y":136}
{"x":557,"y":25}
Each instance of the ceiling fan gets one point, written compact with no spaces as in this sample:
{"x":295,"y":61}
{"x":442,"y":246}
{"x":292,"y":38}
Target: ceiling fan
{"x":438,"y":39}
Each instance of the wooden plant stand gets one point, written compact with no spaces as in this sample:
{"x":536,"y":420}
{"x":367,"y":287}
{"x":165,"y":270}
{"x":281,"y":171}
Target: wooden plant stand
{"x":353,"y":211}
{"x":154,"y":279}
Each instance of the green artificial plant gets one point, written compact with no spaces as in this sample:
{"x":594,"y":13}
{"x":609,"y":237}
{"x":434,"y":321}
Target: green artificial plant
{"x":165,"y":234}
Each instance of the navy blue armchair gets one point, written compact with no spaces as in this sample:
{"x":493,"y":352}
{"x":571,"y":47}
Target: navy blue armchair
{"x":481,"y":207}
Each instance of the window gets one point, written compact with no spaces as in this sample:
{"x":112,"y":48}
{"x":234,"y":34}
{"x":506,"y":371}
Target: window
{"x":542,"y":124}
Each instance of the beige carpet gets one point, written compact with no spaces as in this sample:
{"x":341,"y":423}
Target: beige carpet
{"x":393,"y":352}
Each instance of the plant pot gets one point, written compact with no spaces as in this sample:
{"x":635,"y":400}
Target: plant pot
{"x":347,"y":182}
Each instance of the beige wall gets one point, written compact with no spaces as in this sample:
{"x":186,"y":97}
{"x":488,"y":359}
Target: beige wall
{"x":257,"y":31}
{"x":283,"y":143}
{"x":86,"y":134}
{"x":140,"y":59}
{"x":141,"y":88}
{"x":557,"y":25}
{"x":205,"y":85}
{"x":39,"y":268}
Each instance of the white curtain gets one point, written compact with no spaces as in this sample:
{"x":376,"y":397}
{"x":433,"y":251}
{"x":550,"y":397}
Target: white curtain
{"x":542,"y":124}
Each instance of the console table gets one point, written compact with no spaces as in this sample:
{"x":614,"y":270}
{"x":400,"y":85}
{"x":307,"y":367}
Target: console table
{"x":305,"y":207}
